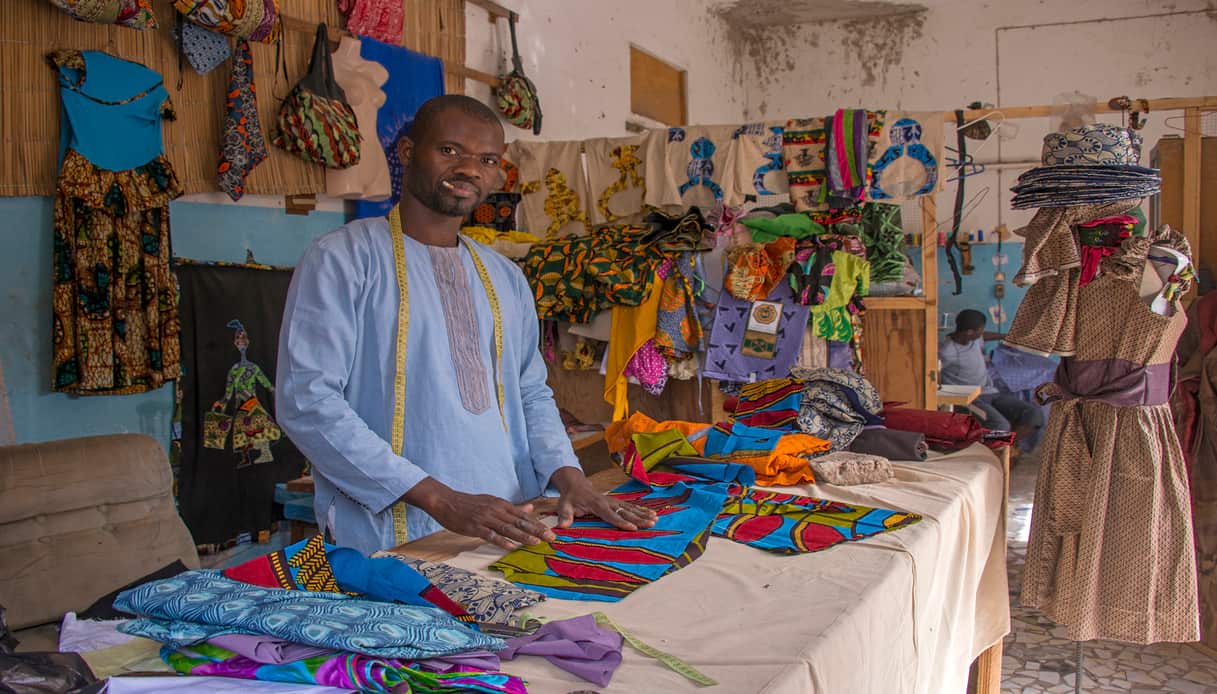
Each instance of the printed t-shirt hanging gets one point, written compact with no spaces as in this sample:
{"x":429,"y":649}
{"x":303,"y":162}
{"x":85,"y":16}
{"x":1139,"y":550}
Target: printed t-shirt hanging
{"x":554,"y":194}
{"x":755,"y":165}
{"x":907,"y":161}
{"x":615,"y":177}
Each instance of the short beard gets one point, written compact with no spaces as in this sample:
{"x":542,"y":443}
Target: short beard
{"x":436,"y":200}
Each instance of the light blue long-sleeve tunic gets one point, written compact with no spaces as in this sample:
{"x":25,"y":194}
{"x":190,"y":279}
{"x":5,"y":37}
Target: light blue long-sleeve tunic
{"x":334,"y":394}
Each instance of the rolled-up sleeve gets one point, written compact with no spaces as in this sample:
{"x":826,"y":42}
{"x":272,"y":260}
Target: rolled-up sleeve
{"x":317,"y":348}
{"x":548,"y":442}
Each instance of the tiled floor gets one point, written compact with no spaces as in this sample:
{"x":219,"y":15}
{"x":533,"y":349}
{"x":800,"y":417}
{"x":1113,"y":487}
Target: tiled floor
{"x":1038,"y":658}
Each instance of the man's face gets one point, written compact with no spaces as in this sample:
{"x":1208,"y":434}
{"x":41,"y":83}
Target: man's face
{"x":454,"y":167}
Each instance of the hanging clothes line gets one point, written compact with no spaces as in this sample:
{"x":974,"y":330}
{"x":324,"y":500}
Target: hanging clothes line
{"x":336,"y":34}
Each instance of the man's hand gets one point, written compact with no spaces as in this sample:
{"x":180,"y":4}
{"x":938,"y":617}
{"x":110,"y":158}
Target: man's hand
{"x":580,"y":498}
{"x":479,"y":515}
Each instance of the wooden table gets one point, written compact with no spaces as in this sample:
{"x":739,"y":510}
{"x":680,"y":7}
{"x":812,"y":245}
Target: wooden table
{"x":962,"y":396}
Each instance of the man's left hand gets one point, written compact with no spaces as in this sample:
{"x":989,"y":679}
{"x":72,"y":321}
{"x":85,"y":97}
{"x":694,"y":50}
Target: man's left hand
{"x":580,"y":498}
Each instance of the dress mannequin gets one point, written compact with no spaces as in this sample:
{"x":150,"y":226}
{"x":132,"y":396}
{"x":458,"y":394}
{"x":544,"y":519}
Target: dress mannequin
{"x":361,"y":80}
{"x":1163,"y":263}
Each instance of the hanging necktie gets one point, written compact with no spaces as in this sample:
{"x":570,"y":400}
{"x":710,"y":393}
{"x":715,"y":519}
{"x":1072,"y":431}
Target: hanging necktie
{"x":243,"y":147}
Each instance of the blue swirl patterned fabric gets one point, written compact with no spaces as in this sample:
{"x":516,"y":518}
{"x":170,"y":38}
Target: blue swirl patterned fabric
{"x":1095,"y":163}
{"x":198,"y":605}
{"x":1098,"y":144}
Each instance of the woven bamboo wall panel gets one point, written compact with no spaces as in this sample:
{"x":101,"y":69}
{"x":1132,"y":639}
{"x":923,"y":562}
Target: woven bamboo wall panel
{"x":29,"y":98}
{"x":437,"y":27}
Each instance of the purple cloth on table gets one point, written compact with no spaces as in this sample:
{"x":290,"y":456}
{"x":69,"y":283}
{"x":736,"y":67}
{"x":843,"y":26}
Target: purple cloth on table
{"x":725,"y":361}
{"x":265,"y":649}
{"x":473,"y":661}
{"x":577,"y":645}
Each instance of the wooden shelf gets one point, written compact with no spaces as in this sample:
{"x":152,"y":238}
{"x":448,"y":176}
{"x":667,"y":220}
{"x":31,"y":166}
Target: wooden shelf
{"x":894,"y":303}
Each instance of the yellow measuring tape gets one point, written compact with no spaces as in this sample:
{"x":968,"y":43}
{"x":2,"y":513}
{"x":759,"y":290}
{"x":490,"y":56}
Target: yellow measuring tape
{"x":398,"y":433}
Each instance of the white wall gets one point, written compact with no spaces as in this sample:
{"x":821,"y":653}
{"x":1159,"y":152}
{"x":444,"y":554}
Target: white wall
{"x":1012,"y":53}
{"x":577,"y":54}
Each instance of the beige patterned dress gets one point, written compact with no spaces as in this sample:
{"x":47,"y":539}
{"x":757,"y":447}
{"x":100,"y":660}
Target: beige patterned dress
{"x":1110,"y":554}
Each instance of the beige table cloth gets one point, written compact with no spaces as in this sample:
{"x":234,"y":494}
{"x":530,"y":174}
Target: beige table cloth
{"x":907,"y":611}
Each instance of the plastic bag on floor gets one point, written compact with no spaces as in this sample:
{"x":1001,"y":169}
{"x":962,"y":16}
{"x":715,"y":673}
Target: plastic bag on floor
{"x":43,"y":673}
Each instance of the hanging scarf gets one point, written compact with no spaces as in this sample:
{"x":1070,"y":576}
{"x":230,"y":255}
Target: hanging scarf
{"x":243,"y":147}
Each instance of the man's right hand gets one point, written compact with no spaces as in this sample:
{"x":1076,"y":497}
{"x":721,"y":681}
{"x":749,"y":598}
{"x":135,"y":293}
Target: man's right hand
{"x":479,"y":515}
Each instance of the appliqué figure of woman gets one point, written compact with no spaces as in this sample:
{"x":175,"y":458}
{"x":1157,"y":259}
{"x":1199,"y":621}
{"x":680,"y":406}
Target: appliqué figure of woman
{"x":253,"y":429}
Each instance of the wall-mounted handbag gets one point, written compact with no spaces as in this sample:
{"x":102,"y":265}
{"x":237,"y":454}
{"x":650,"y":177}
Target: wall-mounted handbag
{"x":256,"y":20}
{"x":134,"y":14}
{"x":315,"y":122}
{"x":516,"y":95}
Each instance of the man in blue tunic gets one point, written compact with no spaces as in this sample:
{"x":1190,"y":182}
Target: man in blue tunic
{"x":480,"y":434}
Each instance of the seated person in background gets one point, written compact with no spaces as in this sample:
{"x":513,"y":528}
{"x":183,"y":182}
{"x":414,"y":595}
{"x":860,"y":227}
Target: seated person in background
{"x":963,"y":363}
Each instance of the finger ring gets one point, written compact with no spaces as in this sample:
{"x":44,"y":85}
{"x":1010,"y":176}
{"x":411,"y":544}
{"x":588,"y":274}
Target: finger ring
{"x":521,"y":524}
{"x":505,"y":529}
{"x":493,"y":535}
{"x":620,"y":509}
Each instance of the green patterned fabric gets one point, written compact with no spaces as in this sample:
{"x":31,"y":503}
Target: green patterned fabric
{"x":883,"y":234}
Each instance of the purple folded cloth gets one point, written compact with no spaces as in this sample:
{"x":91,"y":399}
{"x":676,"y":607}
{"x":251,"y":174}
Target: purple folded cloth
{"x":264,"y":649}
{"x":577,"y":645}
{"x":473,"y":661}
{"x":272,"y":651}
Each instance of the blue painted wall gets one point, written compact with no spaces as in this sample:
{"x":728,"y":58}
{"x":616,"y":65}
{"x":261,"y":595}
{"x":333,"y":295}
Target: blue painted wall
{"x":978,"y":288}
{"x":201,"y":231}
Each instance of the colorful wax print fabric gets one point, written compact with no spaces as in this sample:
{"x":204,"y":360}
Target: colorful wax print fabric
{"x":575,"y":278}
{"x":693,"y":497}
{"x":846,"y":155}
{"x":792,"y":524}
{"x":243,"y":147}
{"x":317,"y":566}
{"x":487,"y":599}
{"x":775,"y":457}
{"x":908,"y":161}
{"x":198,"y":605}
{"x":770,"y":404}
{"x":344,"y":670}
{"x":592,"y":560}
{"x":804,"y":150}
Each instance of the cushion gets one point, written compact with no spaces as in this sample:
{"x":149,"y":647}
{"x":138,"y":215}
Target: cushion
{"x":80,"y":518}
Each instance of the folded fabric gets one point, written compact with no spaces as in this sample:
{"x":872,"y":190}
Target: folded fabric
{"x":892,"y":444}
{"x":592,"y":560}
{"x":948,"y":431}
{"x":489,"y":600}
{"x":619,"y":435}
{"x":343,"y":670}
{"x":693,"y":497}
{"x":773,"y":456}
{"x":318,"y":566}
{"x":770,"y":404}
{"x":200,"y":605}
{"x":845,"y":468}
{"x":207,"y":685}
{"x":793,"y":524}
{"x":836,"y":405}
{"x":264,"y":649}
{"x":83,"y":635}
{"x":766,"y":229}
{"x":577,"y":645}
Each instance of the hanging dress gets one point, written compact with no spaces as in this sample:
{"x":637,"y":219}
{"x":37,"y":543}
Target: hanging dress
{"x":114,"y":298}
{"x":1110,"y":554}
